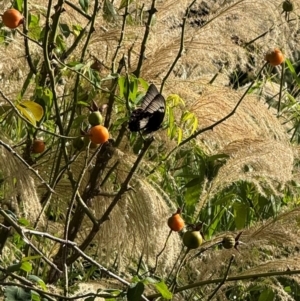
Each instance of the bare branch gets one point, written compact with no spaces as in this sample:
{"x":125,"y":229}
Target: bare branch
{"x":224,"y":279}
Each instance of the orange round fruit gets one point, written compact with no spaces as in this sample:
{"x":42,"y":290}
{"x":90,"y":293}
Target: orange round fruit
{"x":274,"y":57}
{"x":98,"y":134}
{"x":12,"y":18}
{"x":176,"y":222}
{"x":38,"y":146}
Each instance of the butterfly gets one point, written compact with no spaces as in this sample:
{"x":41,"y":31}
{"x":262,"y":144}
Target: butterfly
{"x":149,"y":116}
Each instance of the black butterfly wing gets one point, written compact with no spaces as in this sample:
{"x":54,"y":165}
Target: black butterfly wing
{"x":152,"y":92}
{"x":154,"y":114}
{"x":134,"y":121}
{"x":151,"y":113}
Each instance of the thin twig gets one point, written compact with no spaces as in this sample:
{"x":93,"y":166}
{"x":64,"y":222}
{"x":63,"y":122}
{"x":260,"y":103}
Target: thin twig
{"x":121,"y":37}
{"x":82,"y":33}
{"x":174,"y":282}
{"x":26,"y":44}
{"x":175,"y":263}
{"x":50,"y":32}
{"x":152,"y":11}
{"x":224,"y":279}
{"x":28,"y":38}
{"x":77,"y":85}
{"x":157,"y":256}
{"x":181,"y":46}
{"x":108,"y":174}
{"x":26,"y":240}
{"x":80,"y":11}
{"x":281,"y":87}
{"x":97,"y":86}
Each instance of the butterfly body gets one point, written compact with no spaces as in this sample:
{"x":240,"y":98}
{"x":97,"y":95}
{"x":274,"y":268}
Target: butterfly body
{"x":149,"y":116}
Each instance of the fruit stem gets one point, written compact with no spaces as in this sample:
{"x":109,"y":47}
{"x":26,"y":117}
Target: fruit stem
{"x":280,"y":88}
{"x":164,"y":247}
{"x":174,"y":282}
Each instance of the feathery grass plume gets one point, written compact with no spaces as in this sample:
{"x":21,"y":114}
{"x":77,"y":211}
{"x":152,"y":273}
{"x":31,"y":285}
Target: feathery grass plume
{"x":138,"y":227}
{"x":266,"y":163}
{"x":18,"y":188}
{"x":267,"y":247}
{"x":203,"y":55}
{"x":211,"y":103}
{"x":253,"y":137}
{"x":213,"y":46}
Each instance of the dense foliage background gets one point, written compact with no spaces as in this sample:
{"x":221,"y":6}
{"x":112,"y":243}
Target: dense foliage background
{"x":89,"y":222}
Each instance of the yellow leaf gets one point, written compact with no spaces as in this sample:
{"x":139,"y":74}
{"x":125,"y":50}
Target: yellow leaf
{"x":31,"y":110}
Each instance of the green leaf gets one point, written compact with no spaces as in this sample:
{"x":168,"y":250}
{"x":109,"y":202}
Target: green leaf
{"x":180,"y":133}
{"x":26,"y":266}
{"x":60,"y":44}
{"x":186,"y":116}
{"x":28,"y":258}
{"x":48,"y":96}
{"x":266,"y":295}
{"x":84,"y":5}
{"x":124,"y":3}
{"x":109,"y":11}
{"x":31,"y":111}
{"x":65,"y":29}
{"x":78,"y":121}
{"x":133,"y":87}
{"x":292,"y":70}
{"x":163,"y":290}
{"x":38,"y":280}
{"x":13,"y":293}
{"x":6,"y":36}
{"x":14,"y":267}
{"x":78,"y":66}
{"x":135,"y":291}
{"x":122,"y":83}
{"x":241,"y":214}
{"x":35,"y":296}
{"x":192,"y":192}
{"x":144,"y":84}
{"x":34,"y":27}
{"x":18,"y":5}
{"x":76,"y":29}
{"x":174,"y":100}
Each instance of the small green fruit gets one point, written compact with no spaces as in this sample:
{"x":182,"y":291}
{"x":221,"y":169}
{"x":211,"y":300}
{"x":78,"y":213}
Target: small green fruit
{"x":228,"y":242}
{"x":95,"y":118}
{"x":287,"y":6}
{"x":78,"y":143}
{"x":192,"y":239}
